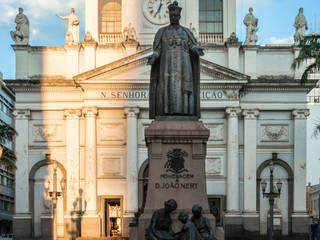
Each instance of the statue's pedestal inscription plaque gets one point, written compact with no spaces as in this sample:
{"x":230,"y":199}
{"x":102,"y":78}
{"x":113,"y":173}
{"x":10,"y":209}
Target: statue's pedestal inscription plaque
{"x":177,"y":151}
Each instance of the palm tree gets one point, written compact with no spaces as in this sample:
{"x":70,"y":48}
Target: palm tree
{"x":7,"y":157}
{"x":310,"y":50}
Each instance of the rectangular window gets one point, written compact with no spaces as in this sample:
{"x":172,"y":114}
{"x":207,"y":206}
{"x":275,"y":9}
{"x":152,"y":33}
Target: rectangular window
{"x":210,"y":16}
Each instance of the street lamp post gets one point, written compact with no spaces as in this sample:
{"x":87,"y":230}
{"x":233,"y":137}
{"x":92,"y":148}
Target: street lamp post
{"x":54,"y":194}
{"x":271,"y":194}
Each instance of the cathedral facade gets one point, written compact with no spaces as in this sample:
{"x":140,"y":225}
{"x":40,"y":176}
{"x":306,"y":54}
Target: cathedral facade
{"x":82,"y":108}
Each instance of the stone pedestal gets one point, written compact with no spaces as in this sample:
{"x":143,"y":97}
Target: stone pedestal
{"x":90,"y":225}
{"x":22,"y":226}
{"x":177,"y":151}
{"x":46,"y":226}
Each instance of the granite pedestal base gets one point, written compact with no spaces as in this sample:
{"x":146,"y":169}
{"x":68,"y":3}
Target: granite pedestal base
{"x":22,"y":227}
{"x":177,"y":152}
{"x":90,"y":226}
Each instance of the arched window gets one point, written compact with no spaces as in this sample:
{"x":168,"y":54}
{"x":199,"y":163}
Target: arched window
{"x":110,"y":16}
{"x":210,"y":16}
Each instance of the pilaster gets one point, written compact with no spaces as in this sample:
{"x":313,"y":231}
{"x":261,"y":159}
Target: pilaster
{"x":229,"y":18}
{"x":250,"y":60}
{"x":73,"y":156}
{"x":90,"y":223}
{"x":233,"y":46}
{"x":192,"y":14}
{"x":299,"y":71}
{"x":22,"y":61}
{"x":91,"y":158}
{"x":72,"y":60}
{"x":250,"y":154}
{"x":233,"y":199}
{"x":300,"y":154}
{"x":92,"y":18}
{"x":132,"y":161}
{"x":22,"y":218}
{"x":89,"y":55}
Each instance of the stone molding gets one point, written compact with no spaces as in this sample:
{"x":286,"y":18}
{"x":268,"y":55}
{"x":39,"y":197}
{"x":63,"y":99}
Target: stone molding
{"x":22,"y":114}
{"x":233,"y":112}
{"x":250,"y":113}
{"x":90,"y":111}
{"x":19,"y":47}
{"x":300,"y":113}
{"x":72,"y":113}
{"x":131,"y":112}
{"x":250,"y":47}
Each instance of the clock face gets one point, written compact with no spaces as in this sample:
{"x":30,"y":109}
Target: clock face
{"x":156,"y":11}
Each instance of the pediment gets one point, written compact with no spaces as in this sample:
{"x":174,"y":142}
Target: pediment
{"x":135,"y":68}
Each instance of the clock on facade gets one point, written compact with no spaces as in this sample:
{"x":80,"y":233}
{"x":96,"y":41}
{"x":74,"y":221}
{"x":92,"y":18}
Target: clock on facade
{"x":156,"y":11}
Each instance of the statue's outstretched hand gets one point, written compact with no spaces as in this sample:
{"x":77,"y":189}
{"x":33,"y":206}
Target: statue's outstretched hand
{"x":198,"y":50}
{"x":151,"y":59}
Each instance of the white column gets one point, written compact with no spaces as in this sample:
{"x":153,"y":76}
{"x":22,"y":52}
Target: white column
{"x":92,"y":19}
{"x":22,"y":153}
{"x":250,"y":158}
{"x":233,"y":199}
{"x":73,"y":155}
{"x":91,"y":159}
{"x":132,"y":161}
{"x":300,"y":155}
{"x":22,"y":61}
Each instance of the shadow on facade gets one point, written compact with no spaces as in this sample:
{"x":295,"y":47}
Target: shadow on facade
{"x":79,"y":208}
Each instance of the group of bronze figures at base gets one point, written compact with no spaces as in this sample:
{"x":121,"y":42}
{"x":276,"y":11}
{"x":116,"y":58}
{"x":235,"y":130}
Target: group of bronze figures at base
{"x":197,"y":228}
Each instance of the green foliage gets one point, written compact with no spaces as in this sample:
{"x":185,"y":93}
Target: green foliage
{"x":310,"y":50}
{"x":316,"y":131}
{"x":7,"y":134}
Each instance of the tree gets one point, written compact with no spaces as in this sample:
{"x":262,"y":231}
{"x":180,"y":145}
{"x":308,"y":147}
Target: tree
{"x":310,"y":50}
{"x":8,"y":158}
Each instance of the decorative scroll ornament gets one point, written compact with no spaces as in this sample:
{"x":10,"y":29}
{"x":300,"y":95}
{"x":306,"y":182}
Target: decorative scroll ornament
{"x":275,"y":135}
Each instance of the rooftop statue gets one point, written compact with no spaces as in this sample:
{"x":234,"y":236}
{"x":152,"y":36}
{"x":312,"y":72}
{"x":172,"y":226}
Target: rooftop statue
{"x":301,"y":26}
{"x":252,"y":27}
{"x":202,"y":223}
{"x":175,"y":71}
{"x":21,"y":34}
{"x":129,"y":33}
{"x":160,"y":226}
{"x":72,"y":35}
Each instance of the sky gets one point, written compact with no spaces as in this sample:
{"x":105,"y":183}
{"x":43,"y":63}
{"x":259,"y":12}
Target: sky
{"x":276,"y":18}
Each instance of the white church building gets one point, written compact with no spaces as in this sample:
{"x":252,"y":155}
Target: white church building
{"x":82,"y":108}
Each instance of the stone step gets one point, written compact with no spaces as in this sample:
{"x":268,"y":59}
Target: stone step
{"x":102,"y":238}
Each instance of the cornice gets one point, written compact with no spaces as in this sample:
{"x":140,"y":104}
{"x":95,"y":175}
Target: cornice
{"x":110,"y":66}
{"x":223,"y":71}
{"x":279,"y":85}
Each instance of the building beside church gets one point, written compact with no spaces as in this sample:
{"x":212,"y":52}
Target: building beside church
{"x":81,"y":110}
{"x":6,"y":177}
